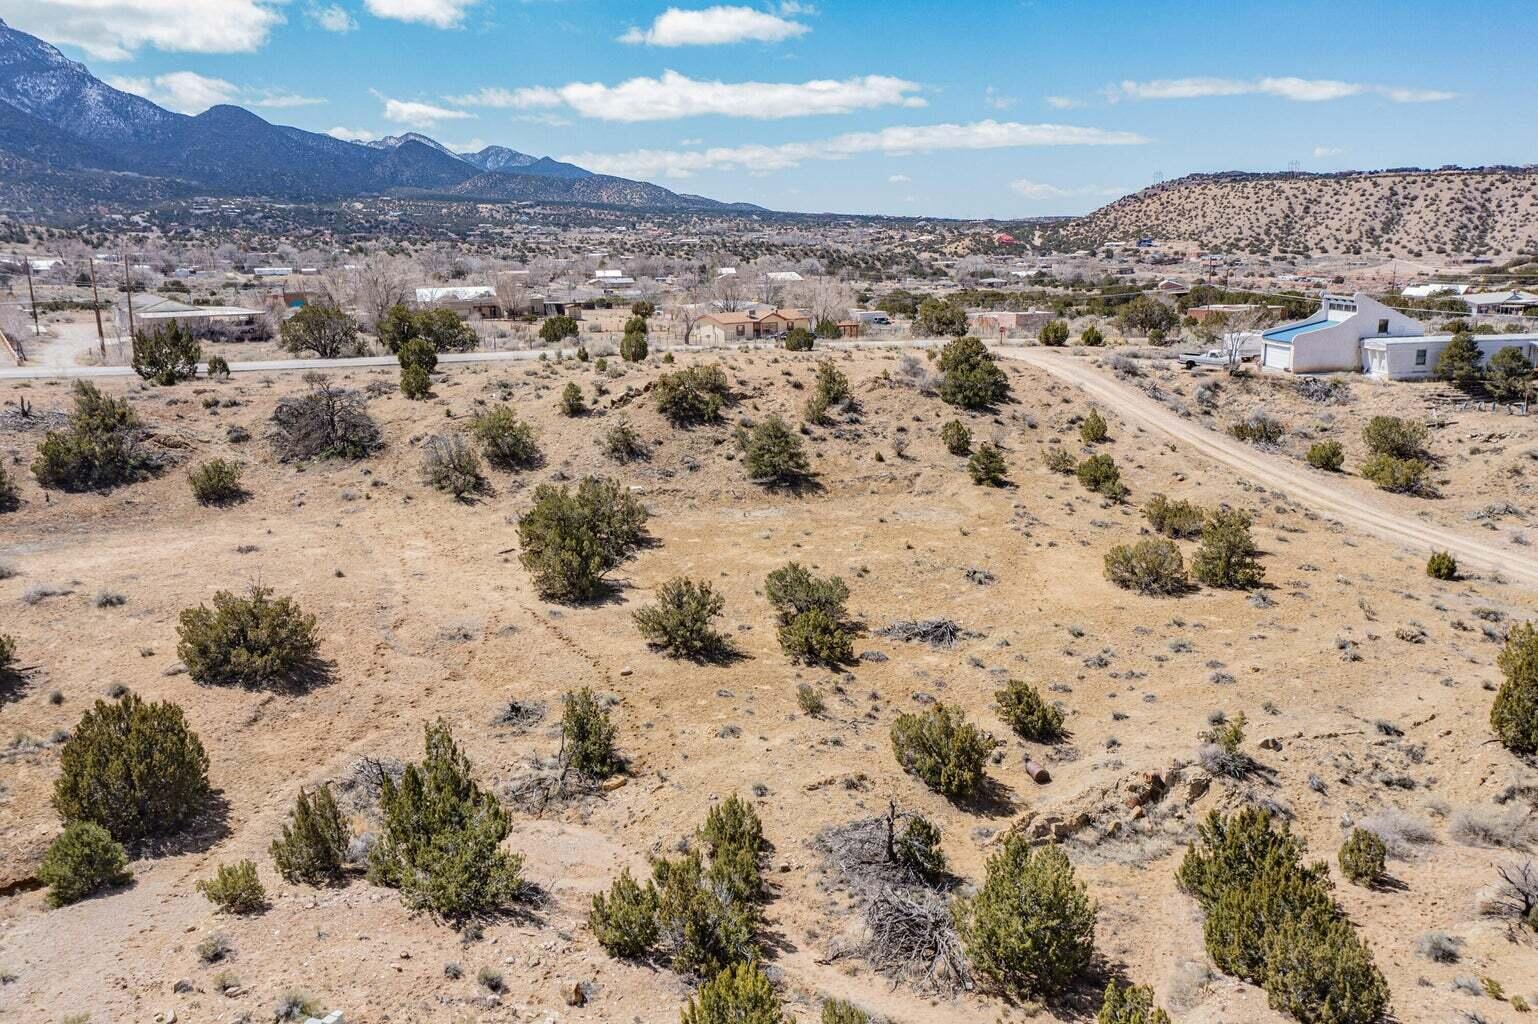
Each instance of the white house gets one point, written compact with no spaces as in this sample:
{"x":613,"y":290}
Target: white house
{"x":1514,"y":303}
{"x":1358,"y":333}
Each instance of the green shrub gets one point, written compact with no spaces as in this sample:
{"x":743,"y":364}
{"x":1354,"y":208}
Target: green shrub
{"x":1509,"y":374}
{"x":942,"y":317}
{"x":1459,"y":360}
{"x":679,"y":622}
{"x":816,"y":638}
{"x":741,"y":994}
{"x":837,"y":1011}
{"x":1227,"y":556}
{"x":1098,"y":473}
{"x":247,"y":641}
{"x":1320,"y":972}
{"x":442,"y":837}
{"x":1030,"y":929}
{"x":84,"y":860}
{"x":633,"y":347}
{"x":9,"y":500}
{"x":1514,"y":714}
{"x":945,"y":751}
{"x":507,"y":442}
{"x":450,"y":465}
{"x":1094,"y":429}
{"x":417,"y":352}
{"x":1326,"y":455}
{"x":1399,"y":476}
{"x":987,"y":467}
{"x":571,"y":403}
{"x":314,"y":840}
{"x":625,"y":921}
{"x":917,"y":848}
{"x":218,"y":367}
{"x":1258,"y":429}
{"x":1178,"y":520}
{"x":1020,"y":706}
{"x":1392,"y":436}
{"x":557,"y":329}
{"x":235,"y":888}
{"x":327,"y":422}
{"x":1131,"y":1005}
{"x":133,"y":768}
{"x":7,"y":657}
{"x":972,"y":380}
{"x":703,"y":932}
{"x":1060,"y":460}
{"x":1238,"y":924}
{"x":1091,"y":336}
{"x":1442,"y":566}
{"x":773,"y":454}
{"x":1361,"y":857}
{"x":587,"y":736}
{"x":441,"y":328}
{"x":216,"y":482}
{"x":322,"y":329}
{"x":733,"y":824}
{"x":571,"y":540}
{"x":798,"y":339}
{"x":692,"y":395}
{"x":956,"y":437}
{"x":166,"y":354}
{"x":623,"y":444}
{"x":810,"y":701}
{"x":100,"y":448}
{"x":1148,"y":567}
{"x":415,"y":383}
{"x":1053,"y":333}
{"x":1231,"y":852}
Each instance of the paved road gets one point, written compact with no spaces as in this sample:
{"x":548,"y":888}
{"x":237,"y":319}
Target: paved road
{"x":1333,"y":496}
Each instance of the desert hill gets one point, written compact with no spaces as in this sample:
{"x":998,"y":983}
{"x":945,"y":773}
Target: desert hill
{"x":1406,"y":213}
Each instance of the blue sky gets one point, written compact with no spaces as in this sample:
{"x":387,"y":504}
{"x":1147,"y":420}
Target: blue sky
{"x":957,"y":109}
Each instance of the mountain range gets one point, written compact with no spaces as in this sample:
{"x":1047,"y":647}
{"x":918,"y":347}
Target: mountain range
{"x":64,"y":132}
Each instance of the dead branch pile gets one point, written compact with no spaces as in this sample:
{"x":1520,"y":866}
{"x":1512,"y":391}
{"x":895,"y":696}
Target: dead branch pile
{"x":934,"y":632}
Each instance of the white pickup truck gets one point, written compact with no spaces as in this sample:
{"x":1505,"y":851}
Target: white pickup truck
{"x":1211,"y":357}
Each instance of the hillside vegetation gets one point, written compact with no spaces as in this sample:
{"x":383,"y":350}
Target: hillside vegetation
{"x":1482,"y":212}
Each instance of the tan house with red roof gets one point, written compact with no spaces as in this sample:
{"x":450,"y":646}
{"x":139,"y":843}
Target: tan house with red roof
{"x":750,"y":325}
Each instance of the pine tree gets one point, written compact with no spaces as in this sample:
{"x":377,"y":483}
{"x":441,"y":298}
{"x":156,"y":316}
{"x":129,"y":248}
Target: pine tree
{"x":314,"y":840}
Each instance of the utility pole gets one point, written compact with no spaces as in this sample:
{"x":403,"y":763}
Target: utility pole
{"x":101,"y":337}
{"x":37,"y":331}
{"x":128,"y":286}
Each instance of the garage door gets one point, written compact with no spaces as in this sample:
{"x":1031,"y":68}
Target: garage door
{"x":1278,"y":357}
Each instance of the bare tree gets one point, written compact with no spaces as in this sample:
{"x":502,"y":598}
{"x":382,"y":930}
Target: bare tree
{"x":727,"y":290}
{"x":824,"y":298}
{"x":379,"y":284}
{"x":687,"y":313}
{"x":512,"y":293}
{"x":1235,"y":327}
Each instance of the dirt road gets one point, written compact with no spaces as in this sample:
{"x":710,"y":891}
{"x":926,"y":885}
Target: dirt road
{"x":1328,"y":494}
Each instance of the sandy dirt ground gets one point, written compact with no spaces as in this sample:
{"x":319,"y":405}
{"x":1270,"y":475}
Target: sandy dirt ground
{"x":425,"y":612}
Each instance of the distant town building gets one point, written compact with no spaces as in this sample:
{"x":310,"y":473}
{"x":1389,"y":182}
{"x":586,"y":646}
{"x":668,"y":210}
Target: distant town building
{"x":478,"y":301}
{"x":726,"y":328}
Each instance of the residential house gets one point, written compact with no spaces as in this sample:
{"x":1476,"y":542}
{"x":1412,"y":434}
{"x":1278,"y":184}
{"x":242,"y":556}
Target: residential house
{"x":1513,"y":303}
{"x":748,"y":325}
{"x":1358,"y":333}
{"x":233,"y":323}
{"x":476,"y":301}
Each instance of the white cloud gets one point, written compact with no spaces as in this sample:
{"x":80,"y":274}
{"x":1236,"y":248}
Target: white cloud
{"x":1322,"y":151}
{"x":675,"y":95}
{"x":898,"y":179}
{"x":188,"y":92}
{"x":1038,"y":190}
{"x":716,"y":26}
{"x":115,"y":29}
{"x":1300,"y":90}
{"x":897,"y":140}
{"x":1063,"y":102}
{"x":997,"y":100}
{"x":417,"y":114}
{"x":352,"y":134}
{"x":331,"y":17}
{"x":437,"y":13}
{"x":183,"y":91}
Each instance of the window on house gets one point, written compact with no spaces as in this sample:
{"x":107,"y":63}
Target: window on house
{"x":740,"y":330}
{"x":1382,"y":326}
{"x":1420,"y":357}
